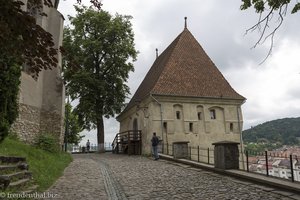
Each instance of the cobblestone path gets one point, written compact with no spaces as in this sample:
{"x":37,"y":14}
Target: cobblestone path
{"x":109,"y":176}
{"x":82,"y":179}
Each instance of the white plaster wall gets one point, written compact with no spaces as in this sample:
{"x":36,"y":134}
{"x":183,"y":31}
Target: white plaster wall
{"x":205,"y":131}
{"x":47,"y":91}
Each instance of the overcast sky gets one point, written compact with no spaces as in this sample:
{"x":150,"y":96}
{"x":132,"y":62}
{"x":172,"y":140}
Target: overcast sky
{"x":272,"y":88}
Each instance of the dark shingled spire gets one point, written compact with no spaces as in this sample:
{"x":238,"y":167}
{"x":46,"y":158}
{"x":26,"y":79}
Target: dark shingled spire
{"x":185,"y":22}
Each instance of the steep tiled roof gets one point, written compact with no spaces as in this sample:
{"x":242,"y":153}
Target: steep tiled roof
{"x":184,"y":69}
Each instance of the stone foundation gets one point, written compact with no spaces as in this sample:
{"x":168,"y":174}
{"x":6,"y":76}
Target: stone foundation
{"x":27,"y":125}
{"x":53,"y":123}
{"x":33,"y":121}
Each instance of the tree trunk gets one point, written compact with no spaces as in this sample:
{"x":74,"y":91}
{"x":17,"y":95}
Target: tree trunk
{"x":100,"y":135}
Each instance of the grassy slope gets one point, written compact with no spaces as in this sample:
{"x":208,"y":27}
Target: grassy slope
{"x":46,"y":167}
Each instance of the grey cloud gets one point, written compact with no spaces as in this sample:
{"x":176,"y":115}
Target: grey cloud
{"x":294,"y":92}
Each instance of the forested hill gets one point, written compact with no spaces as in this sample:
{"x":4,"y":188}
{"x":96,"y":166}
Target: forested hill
{"x":284,"y":131}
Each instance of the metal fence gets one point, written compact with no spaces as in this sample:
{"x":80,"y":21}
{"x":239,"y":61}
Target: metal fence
{"x":195,"y":153}
{"x":274,"y":164}
{"x":72,"y":148}
{"x":267,"y":163}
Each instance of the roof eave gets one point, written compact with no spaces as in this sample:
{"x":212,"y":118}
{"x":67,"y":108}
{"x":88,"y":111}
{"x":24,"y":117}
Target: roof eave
{"x":243,"y":99}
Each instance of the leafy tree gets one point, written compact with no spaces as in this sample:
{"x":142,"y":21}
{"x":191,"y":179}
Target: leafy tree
{"x":22,"y":42}
{"x":73,"y":127}
{"x":96,"y":3}
{"x":269,"y":10}
{"x":99,"y":55}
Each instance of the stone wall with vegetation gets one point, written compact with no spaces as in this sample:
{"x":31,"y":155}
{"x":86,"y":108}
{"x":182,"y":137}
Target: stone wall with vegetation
{"x":27,"y":125}
{"x":33,"y":121}
{"x":52,"y":122}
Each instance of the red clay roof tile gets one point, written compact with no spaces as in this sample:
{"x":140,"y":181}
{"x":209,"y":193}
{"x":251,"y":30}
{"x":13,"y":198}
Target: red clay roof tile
{"x":184,"y":69}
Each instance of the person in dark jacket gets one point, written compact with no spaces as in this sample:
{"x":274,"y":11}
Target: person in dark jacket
{"x":155,"y":142}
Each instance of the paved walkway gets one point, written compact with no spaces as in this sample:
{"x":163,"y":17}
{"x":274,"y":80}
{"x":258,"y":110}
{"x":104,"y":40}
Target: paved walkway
{"x":110,"y":176}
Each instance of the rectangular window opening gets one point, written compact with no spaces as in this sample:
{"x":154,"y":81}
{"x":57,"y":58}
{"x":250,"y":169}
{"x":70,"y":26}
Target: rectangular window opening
{"x":165,"y":125}
{"x":177,"y":114}
{"x":191,"y":127}
{"x":231,"y":127}
{"x":199,"y":116}
{"x":213,"y":114}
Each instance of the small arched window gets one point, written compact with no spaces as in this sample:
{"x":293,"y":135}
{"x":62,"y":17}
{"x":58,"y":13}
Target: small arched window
{"x":213,"y":114}
{"x":178,"y":111}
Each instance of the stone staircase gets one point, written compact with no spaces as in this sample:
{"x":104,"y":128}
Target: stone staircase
{"x":14,"y":175}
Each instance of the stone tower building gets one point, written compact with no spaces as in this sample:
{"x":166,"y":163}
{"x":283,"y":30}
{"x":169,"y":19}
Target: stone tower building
{"x":42,"y":101}
{"x":184,"y":97}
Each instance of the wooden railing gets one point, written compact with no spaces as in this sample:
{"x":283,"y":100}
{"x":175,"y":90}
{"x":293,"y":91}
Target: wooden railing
{"x":129,"y":142}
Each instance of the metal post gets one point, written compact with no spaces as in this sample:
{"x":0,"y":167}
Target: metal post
{"x":267,"y":164}
{"x":208,"y":155}
{"x":198,"y":154}
{"x":67,"y":126}
{"x":167,"y":148}
{"x":247,"y":160}
{"x":292,"y":168}
{"x":190,"y":153}
{"x":140,"y":143}
{"x":128,"y":142}
{"x":172,"y":149}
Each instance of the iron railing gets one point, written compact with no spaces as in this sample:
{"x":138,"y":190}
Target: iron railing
{"x":129,"y":142}
{"x":267,"y":163}
{"x":72,"y":148}
{"x":273,"y":164}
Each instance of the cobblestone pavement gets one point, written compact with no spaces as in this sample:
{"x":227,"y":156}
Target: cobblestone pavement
{"x":82,"y":179}
{"x":110,"y":176}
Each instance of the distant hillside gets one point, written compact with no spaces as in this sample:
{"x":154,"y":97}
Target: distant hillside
{"x":284,"y":131}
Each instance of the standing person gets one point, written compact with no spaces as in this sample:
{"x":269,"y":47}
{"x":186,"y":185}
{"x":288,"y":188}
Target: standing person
{"x":155,"y":142}
{"x":88,"y":146}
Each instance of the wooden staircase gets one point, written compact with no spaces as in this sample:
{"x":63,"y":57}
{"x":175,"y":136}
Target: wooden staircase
{"x":128,"y":142}
{"x":14,"y":175}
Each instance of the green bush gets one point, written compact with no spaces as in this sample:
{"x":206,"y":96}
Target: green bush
{"x":47,"y":142}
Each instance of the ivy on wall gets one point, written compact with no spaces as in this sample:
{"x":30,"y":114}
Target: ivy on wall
{"x":9,"y":89}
